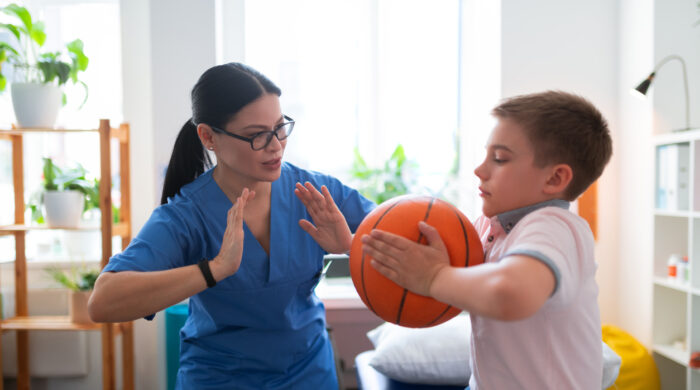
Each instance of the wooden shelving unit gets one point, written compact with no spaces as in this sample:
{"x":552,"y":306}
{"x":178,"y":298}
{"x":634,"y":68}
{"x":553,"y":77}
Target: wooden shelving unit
{"x":22,"y":323}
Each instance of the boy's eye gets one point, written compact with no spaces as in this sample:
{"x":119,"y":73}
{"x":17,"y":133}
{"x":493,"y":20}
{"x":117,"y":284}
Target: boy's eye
{"x":499,"y":159}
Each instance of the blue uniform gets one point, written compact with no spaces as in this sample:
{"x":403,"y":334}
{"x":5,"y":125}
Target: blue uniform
{"x":263,"y":327}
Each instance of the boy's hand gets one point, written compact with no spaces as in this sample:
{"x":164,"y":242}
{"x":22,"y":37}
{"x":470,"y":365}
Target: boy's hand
{"x":407,"y":263}
{"x":331,"y":231}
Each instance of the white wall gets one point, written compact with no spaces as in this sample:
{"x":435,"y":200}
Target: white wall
{"x":634,"y":152}
{"x":167,"y":44}
{"x":572,"y":45}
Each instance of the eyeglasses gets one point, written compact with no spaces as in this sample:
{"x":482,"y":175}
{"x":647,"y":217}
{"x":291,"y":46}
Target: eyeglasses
{"x":260,"y":140}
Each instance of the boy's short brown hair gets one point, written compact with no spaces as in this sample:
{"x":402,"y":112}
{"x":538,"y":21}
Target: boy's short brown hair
{"x":563,"y":128}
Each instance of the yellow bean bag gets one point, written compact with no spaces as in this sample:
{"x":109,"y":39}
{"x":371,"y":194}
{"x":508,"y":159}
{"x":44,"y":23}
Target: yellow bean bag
{"x":638,"y":370}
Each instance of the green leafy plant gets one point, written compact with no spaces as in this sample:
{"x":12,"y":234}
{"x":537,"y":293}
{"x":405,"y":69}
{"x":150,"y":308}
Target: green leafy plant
{"x":380,"y":184}
{"x":26,"y":57}
{"x":56,"y":178}
{"x":76,"y":280}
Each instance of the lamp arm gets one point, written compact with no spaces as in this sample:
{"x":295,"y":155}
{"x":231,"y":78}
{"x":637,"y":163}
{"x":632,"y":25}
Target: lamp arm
{"x":685,"y":83}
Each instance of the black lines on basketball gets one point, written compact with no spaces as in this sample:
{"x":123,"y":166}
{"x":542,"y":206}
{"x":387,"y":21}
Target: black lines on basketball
{"x":362,"y":265}
{"x":420,"y":237}
{"x":464,"y":233}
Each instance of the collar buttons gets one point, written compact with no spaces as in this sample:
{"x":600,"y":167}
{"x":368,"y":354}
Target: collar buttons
{"x":490,"y":239}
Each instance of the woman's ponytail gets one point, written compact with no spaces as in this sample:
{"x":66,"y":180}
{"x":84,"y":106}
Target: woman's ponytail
{"x":188,"y":160}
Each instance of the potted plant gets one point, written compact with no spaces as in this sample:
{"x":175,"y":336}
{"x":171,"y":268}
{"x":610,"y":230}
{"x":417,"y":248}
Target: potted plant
{"x":66,"y":193}
{"x":37,"y":97}
{"x":80,"y":283}
{"x":379,"y":185}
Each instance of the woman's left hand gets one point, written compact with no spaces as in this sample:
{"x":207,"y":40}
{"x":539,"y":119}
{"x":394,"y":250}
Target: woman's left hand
{"x":330,"y":231}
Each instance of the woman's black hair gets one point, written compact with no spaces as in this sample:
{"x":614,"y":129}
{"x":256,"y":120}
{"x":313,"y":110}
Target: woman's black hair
{"x":219,"y":94}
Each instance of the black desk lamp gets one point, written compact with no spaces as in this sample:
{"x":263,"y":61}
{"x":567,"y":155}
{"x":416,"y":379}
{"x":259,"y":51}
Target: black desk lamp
{"x":641,"y":89}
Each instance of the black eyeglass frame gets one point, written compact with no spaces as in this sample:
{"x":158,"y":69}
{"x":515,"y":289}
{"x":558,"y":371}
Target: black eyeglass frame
{"x":268,"y":133}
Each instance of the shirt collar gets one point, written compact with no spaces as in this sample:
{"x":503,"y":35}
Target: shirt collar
{"x":508,"y":219}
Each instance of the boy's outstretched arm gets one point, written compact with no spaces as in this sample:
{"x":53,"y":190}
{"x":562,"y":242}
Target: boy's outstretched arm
{"x":512,"y":289}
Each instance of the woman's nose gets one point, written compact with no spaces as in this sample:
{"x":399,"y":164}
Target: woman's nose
{"x":274,"y":144}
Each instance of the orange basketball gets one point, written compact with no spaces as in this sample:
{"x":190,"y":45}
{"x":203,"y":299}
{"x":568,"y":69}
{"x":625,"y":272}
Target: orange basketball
{"x":400,"y":216}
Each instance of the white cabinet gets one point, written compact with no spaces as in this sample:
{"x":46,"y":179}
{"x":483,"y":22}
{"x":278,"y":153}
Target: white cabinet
{"x":676,"y":300}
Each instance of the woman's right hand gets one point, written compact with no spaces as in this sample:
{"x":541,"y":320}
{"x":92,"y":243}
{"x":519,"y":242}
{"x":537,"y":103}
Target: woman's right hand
{"x":227,"y":262}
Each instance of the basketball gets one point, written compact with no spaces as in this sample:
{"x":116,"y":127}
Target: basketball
{"x":400,"y":216}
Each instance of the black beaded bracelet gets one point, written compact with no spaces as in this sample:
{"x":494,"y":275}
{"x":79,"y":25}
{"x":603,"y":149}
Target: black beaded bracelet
{"x":206,"y":272}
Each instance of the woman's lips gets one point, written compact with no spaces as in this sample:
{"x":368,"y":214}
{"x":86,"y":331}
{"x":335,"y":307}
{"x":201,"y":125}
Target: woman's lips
{"x":273,"y":164}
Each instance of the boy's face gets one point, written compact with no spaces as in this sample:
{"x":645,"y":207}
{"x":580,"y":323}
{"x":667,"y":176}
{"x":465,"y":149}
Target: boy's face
{"x":509,"y":177}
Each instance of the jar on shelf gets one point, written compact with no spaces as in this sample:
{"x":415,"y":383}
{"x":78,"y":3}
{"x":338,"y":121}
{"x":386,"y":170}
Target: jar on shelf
{"x":672,"y":267}
{"x":682,"y":270}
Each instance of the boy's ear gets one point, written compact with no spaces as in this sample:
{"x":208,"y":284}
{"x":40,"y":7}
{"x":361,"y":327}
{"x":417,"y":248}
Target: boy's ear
{"x":559,"y":178}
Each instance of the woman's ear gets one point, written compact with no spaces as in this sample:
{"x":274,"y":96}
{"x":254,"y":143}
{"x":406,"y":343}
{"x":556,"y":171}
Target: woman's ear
{"x":559,"y":179}
{"x":206,"y":135}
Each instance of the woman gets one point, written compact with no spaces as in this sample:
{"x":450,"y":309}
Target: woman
{"x":236,"y":242}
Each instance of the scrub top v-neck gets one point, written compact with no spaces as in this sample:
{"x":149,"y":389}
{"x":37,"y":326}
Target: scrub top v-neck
{"x":263,"y":327}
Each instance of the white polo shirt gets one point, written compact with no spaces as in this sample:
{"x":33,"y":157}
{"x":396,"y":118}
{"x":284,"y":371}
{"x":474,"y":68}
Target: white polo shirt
{"x":559,"y":347}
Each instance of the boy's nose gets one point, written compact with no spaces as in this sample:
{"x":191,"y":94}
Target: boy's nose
{"x":479,"y":171}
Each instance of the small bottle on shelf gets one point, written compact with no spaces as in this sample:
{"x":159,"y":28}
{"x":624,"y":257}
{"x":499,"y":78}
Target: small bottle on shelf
{"x":673,"y":261}
{"x":682,"y":270}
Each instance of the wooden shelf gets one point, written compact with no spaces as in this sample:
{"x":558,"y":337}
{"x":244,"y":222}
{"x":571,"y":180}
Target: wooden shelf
{"x":22,"y":323}
{"x":45,"y":323}
{"x":41,"y":130}
{"x":118,"y":229}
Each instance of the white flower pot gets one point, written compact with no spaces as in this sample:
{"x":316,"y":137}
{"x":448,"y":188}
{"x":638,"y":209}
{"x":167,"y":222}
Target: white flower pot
{"x":35,"y":104}
{"x":63,"y":208}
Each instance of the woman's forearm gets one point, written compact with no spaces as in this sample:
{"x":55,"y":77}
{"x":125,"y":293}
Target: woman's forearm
{"x":129,"y":295}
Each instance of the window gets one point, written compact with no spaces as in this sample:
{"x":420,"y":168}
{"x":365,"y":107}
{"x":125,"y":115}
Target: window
{"x":373,"y":74}
{"x":96,"y":23}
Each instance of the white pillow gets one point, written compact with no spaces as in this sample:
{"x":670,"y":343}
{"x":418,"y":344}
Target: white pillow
{"x":438,"y":355}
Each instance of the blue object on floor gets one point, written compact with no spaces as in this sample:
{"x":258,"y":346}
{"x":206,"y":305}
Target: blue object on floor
{"x":370,"y":379}
{"x":175,"y":317}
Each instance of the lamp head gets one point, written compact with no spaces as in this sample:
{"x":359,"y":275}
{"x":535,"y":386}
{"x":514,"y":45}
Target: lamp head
{"x":643,"y":87}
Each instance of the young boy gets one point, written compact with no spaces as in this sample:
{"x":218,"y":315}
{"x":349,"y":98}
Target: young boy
{"x":533,"y":303}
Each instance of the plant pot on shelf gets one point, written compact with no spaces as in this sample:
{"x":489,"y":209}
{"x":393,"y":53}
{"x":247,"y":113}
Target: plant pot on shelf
{"x":63,"y":208}
{"x":78,"y":307}
{"x":35,"y":104}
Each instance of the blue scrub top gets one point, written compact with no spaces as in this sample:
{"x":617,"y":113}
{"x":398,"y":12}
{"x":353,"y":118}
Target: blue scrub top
{"x":263,"y":327}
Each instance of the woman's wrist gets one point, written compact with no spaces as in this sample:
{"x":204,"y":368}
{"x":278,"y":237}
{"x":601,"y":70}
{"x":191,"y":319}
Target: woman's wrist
{"x":219,"y":269}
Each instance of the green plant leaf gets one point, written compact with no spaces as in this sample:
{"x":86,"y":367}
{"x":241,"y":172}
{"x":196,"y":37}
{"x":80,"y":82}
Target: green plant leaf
{"x":50,"y":172}
{"x":75,"y":51}
{"x":61,"y":277}
{"x":37,"y":33}
{"x":83,"y":280}
{"x":380,"y":185}
{"x":11,"y":28}
{"x":21,"y":13}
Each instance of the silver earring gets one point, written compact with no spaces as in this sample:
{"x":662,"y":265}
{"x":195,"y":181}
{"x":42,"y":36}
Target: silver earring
{"x":211,"y":148}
